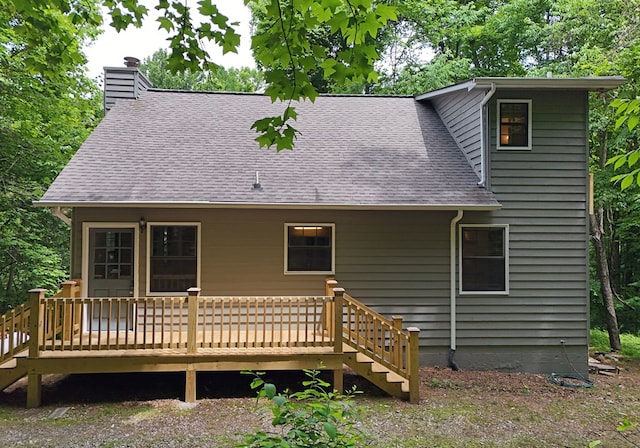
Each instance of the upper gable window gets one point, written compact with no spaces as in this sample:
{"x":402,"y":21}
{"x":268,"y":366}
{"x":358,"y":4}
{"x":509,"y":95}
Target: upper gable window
{"x":309,"y":248}
{"x":514,"y":124}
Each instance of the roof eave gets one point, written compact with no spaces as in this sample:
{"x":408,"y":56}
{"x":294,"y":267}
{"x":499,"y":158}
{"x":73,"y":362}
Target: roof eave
{"x":247,"y":205}
{"x":599,"y":83}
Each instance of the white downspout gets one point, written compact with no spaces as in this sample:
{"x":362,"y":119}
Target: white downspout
{"x":483,"y":143}
{"x":452,"y":233}
{"x":58,"y":213}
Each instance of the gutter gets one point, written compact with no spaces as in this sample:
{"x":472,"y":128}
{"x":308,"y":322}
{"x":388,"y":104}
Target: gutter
{"x":483,"y":140}
{"x":58,"y":213}
{"x":453,"y":319}
{"x":488,"y":206}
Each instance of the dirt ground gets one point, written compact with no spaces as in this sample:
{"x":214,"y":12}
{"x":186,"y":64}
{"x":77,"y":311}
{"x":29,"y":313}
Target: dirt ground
{"x":458,"y":409}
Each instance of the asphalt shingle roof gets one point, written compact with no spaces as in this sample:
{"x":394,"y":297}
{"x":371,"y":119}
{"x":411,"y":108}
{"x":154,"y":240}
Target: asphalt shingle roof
{"x":197,"y":147}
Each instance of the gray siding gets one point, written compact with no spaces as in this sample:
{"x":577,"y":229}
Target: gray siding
{"x":122,"y":83}
{"x":544,"y":198}
{"x":460,"y":112}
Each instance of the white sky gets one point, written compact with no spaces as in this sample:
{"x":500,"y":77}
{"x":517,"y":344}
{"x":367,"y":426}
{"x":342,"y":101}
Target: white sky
{"x":111,"y":47}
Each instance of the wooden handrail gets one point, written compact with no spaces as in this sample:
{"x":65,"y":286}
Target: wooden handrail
{"x":14,"y":331}
{"x":380,"y":339}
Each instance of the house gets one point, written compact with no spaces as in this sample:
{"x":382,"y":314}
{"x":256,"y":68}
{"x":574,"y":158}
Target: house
{"x":464,"y":209}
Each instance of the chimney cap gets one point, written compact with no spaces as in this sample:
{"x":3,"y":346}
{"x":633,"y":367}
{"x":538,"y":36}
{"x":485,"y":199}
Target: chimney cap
{"x":131,"y":61}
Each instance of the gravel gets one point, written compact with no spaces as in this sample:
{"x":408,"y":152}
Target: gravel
{"x":458,"y":409}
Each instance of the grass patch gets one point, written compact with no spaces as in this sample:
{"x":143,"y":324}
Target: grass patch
{"x":630,"y":343}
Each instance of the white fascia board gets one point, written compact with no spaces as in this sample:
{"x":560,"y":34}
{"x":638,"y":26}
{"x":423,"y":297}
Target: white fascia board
{"x":302,"y":206}
{"x":589,"y":83}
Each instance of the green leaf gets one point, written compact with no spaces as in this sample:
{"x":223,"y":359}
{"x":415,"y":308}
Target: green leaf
{"x":330,"y":429}
{"x":626,"y":425}
{"x":633,"y":122}
{"x":633,"y":157}
{"x":626,"y":182}
{"x":270,"y":390}
{"x":620,"y":162}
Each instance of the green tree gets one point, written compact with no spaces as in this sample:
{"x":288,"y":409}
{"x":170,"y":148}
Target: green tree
{"x":284,"y":50}
{"x":47,"y":110}
{"x":244,"y":79}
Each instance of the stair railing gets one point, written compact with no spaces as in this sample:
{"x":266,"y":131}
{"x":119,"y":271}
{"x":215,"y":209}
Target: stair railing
{"x":379,"y":338}
{"x":14,"y":331}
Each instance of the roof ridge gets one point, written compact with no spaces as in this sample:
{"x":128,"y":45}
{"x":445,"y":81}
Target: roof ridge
{"x":221,"y":92}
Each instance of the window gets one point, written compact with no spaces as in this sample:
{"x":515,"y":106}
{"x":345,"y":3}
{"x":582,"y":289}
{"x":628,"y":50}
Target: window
{"x":484,"y":260}
{"x":309,"y":248}
{"x":173,"y":257}
{"x":514,"y":124}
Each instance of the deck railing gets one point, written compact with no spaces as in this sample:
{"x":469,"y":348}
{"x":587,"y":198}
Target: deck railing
{"x":14,"y":331}
{"x":189,"y":323}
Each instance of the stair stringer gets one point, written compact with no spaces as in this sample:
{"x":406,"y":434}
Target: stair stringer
{"x":11,"y":370}
{"x":376,"y":373}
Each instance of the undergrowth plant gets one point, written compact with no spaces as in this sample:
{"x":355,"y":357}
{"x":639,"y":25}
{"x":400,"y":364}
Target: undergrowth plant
{"x":314,"y":417}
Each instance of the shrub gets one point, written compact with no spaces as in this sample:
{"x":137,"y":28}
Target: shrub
{"x":313,"y":417}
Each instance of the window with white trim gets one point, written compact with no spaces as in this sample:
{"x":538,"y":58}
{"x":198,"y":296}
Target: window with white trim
{"x":172,"y":257}
{"x":514,"y":124}
{"x":484,"y":259}
{"x":309,"y":248}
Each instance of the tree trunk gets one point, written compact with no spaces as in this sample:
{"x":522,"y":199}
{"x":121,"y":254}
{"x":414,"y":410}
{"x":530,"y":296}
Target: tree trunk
{"x":602,"y":268}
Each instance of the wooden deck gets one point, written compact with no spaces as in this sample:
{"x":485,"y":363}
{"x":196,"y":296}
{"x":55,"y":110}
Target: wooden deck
{"x":69,"y":334}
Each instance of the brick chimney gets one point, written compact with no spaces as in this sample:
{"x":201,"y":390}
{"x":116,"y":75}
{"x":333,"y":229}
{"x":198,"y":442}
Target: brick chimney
{"x":123,"y":82}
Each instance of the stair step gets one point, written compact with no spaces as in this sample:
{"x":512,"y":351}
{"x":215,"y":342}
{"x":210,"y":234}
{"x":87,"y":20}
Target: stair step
{"x":364,"y":359}
{"x":379,"y":368}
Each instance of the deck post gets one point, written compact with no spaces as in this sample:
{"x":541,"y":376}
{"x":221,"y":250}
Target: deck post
{"x":192,"y":319}
{"x":330,"y":283}
{"x":190,"y":384}
{"x":36,"y":331}
{"x":414,"y":365}
{"x":68,"y":291}
{"x":338,"y":300}
{"x":327,"y":312}
{"x":192,"y":346}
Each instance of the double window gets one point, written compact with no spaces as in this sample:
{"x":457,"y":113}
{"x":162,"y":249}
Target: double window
{"x":514,"y":124}
{"x":309,"y":248}
{"x":173,"y":257}
{"x":484,"y":260}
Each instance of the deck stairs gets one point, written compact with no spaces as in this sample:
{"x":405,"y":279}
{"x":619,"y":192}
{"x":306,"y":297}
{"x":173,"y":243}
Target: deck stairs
{"x":376,"y":373}
{"x":11,"y":370}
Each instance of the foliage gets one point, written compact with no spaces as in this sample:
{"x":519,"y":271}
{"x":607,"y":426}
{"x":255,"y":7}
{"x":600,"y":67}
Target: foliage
{"x":627,"y":111}
{"x":284,"y":48}
{"x":312,"y":417}
{"x":220,"y":79}
{"x":599,"y":341}
{"x":48,"y":109}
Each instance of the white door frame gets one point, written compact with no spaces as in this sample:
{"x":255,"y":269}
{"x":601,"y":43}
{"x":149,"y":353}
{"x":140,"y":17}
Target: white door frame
{"x":85,"y":251}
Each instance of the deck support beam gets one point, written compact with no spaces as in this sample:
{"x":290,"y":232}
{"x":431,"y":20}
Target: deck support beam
{"x":34,"y":390}
{"x":190,"y":384}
